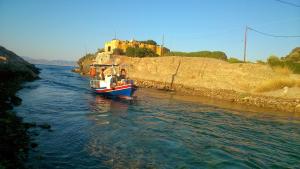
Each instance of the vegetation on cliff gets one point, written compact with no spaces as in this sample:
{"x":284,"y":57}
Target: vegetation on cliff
{"x":85,"y":61}
{"x":140,"y":52}
{"x":234,"y":60}
{"x":150,"y":42}
{"x":14,"y":138}
{"x":293,"y":56}
{"x":118,"y":51}
{"x":13,"y":71}
{"x":215,"y":54}
{"x":290,"y":61}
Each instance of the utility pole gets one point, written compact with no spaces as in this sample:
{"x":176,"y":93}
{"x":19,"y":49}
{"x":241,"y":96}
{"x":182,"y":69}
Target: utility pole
{"x":245,"y":43}
{"x":115,"y":35}
{"x":162,"y":45}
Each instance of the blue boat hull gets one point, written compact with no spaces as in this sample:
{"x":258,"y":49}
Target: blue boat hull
{"x":119,"y":91}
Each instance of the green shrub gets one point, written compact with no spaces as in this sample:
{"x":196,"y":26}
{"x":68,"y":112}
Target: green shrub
{"x":260,"y":62}
{"x":150,"y":42}
{"x":215,"y":54}
{"x":293,"y":66}
{"x":234,"y":60}
{"x":118,"y":51}
{"x":100,"y":50}
{"x":88,"y":56}
{"x":140,"y":52}
{"x":293,"y":56}
{"x":130,"y":51}
{"x":274,"y":61}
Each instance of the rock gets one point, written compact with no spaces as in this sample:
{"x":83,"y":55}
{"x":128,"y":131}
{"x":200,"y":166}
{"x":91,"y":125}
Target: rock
{"x":44,"y":126}
{"x":285,"y":90}
{"x":76,"y":70}
{"x":297,"y":108}
{"x":29,"y":125}
{"x":14,"y":137}
{"x":3,"y":59}
{"x":16,"y":100}
{"x":33,"y":145}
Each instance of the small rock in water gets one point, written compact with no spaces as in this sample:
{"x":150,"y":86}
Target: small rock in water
{"x":29,"y":125}
{"x":33,"y":145}
{"x":16,"y":100}
{"x":44,"y":126}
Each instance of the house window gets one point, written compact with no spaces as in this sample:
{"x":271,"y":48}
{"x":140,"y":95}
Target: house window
{"x":109,"y":48}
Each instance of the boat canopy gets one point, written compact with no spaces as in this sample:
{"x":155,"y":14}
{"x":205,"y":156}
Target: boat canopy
{"x":103,"y":65}
{"x":110,"y":65}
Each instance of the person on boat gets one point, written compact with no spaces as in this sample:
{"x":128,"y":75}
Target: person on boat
{"x":92,"y":71}
{"x":122,"y":77}
{"x":122,"y":74}
{"x":101,"y":74}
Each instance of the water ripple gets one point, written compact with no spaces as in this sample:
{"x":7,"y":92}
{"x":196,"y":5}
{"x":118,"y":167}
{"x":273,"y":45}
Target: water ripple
{"x":156,"y":131}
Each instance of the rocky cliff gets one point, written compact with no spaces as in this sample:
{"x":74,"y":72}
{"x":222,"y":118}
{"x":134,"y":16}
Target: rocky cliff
{"x":13,"y":71}
{"x":14,"y":139}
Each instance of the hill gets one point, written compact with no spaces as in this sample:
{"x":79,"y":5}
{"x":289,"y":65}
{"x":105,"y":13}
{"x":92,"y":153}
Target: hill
{"x":50,"y":62}
{"x":294,"y":55}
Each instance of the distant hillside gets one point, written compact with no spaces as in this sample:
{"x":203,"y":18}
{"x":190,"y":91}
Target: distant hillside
{"x":13,"y":66}
{"x":50,"y":62}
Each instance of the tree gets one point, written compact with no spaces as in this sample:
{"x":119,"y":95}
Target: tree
{"x":140,"y":52}
{"x":100,"y":50}
{"x":150,"y":42}
{"x":118,"y":51}
{"x":130,"y":51}
{"x":234,"y":60}
{"x":293,"y":56}
{"x":274,"y":61}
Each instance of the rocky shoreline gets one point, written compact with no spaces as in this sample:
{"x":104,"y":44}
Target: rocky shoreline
{"x":15,"y":140}
{"x":229,"y":96}
{"x":210,"y":78}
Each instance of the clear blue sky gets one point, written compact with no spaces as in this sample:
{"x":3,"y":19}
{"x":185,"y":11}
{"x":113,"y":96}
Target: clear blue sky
{"x":65,"y":29}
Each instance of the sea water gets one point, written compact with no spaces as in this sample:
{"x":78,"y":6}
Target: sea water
{"x":157,"y":130}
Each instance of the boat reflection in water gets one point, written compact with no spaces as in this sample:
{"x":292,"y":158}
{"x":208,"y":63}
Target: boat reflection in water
{"x":110,"y":118}
{"x":103,"y":109}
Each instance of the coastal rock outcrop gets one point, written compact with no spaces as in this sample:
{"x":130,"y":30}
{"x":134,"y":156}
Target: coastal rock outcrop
{"x":13,"y":71}
{"x":208,"y":77}
{"x":14,"y":139}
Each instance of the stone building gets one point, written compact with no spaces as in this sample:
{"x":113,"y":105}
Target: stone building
{"x":123,"y":45}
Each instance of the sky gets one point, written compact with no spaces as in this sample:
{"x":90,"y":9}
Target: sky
{"x":67,"y":29}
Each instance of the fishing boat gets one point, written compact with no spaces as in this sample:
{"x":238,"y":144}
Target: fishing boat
{"x":112,"y":85}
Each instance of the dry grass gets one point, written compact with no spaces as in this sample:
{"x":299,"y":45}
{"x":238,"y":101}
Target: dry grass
{"x":283,"y":70}
{"x":297,"y":82}
{"x":275,"y":84}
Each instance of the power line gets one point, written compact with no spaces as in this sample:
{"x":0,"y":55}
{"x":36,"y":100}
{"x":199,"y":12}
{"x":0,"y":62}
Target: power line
{"x":262,"y":33}
{"x":288,"y":3}
{"x":274,"y":36}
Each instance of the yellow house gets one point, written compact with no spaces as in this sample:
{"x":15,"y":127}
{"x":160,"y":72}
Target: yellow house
{"x":123,"y":45}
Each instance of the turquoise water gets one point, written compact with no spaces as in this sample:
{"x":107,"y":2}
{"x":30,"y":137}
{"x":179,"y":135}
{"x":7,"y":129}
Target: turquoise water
{"x":158,"y":130}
